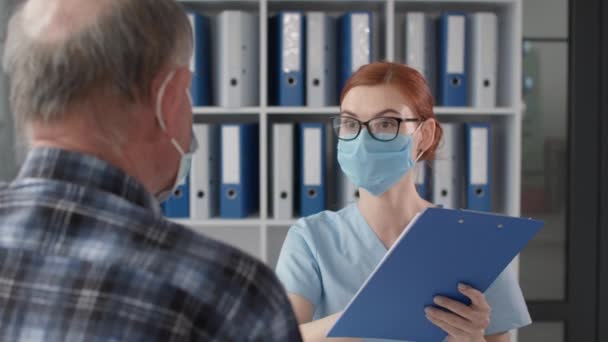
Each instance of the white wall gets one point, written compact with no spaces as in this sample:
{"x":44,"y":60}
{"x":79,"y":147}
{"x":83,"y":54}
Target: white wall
{"x":553,"y":84}
{"x":543,"y":262}
{"x":545,"y":18}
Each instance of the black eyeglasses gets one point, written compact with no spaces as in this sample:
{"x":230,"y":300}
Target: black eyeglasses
{"x":382,"y":128}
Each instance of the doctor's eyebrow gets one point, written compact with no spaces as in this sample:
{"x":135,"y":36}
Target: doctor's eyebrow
{"x":379,"y":114}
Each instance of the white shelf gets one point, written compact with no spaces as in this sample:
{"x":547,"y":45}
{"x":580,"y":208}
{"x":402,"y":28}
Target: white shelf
{"x":327,"y":1}
{"x":329,"y":5}
{"x":272,"y":223}
{"x":226,"y":110}
{"x":220,"y":2}
{"x":456,"y":2}
{"x":474,"y":111}
{"x":302,"y":110}
{"x":219,"y":223}
{"x":273,"y":111}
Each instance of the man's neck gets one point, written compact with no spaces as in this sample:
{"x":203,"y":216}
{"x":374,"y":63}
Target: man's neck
{"x":83,"y":139}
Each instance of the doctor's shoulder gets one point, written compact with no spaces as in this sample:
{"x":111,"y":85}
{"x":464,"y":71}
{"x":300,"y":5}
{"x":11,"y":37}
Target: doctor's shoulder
{"x":325,"y":224}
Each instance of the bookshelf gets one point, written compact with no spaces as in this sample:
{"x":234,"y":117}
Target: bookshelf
{"x":262,"y":235}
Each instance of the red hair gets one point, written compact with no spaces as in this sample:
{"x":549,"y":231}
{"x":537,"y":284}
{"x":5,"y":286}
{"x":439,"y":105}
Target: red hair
{"x":409,"y":82}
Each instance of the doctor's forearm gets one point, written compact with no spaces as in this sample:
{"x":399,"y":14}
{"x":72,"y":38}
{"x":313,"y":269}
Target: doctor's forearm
{"x":316,"y":331}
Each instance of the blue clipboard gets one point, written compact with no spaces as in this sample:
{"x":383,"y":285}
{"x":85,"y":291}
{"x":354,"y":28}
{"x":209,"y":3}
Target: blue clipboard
{"x":439,"y":249}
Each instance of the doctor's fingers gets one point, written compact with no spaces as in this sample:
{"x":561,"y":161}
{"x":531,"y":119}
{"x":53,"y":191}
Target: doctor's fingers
{"x":449,"y":329}
{"x":479,"y":318}
{"x":478,"y":299}
{"x":460,"y":323}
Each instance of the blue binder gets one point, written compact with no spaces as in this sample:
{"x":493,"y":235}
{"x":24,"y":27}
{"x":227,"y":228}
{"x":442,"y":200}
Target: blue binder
{"x":452,"y":80}
{"x":287,"y":59}
{"x":178,"y":205}
{"x":312,"y":168}
{"x":479,"y":196}
{"x":239,"y":169}
{"x":199,"y":65}
{"x":440,"y":249}
{"x":354,"y":44}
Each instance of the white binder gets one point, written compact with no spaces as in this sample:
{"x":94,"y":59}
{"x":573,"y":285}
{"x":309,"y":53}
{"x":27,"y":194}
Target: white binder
{"x":312,"y":163}
{"x":478,"y":168}
{"x":484,"y":59}
{"x":360,"y":27}
{"x":321,"y":58}
{"x":448,"y":175}
{"x":283,"y":170}
{"x":347,"y":191}
{"x":355,"y":35}
{"x":236,"y":59}
{"x":420,"y":45}
{"x":204,"y":181}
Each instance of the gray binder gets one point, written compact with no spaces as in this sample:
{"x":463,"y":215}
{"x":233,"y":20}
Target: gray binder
{"x":420,"y":45}
{"x":283,"y":170}
{"x":321,"y":58}
{"x":448,"y":168}
{"x":483,"y":47}
{"x":236,"y":59}
{"x":204,"y":182}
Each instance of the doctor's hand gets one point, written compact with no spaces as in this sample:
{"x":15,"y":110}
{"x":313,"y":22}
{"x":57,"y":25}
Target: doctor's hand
{"x":462,"y":323}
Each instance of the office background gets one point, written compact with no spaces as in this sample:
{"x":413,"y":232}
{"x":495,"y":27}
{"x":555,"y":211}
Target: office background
{"x":564,"y":272}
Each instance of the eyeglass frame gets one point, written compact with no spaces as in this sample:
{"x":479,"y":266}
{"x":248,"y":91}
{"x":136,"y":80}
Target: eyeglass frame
{"x":366,"y":124}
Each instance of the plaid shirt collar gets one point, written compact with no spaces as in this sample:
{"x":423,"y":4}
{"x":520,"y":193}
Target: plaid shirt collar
{"x":87,"y":171}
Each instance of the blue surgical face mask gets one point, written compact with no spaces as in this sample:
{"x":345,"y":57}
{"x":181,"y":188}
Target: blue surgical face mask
{"x":185,"y":161}
{"x":376,"y":165}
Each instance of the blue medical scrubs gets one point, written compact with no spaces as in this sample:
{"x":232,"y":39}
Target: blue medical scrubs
{"x":327,"y":257}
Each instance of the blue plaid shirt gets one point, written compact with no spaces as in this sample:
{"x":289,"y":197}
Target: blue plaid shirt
{"x":86,"y":256}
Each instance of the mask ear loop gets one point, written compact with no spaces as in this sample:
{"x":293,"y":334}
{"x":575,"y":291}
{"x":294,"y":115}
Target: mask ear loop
{"x":159,"y":100}
{"x":415,"y":169}
{"x":416,"y":131}
{"x":159,"y":104}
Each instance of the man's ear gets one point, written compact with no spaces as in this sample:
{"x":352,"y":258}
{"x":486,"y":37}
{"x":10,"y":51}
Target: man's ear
{"x":174,"y":97}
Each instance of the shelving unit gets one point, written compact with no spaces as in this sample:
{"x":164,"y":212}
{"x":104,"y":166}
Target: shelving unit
{"x":262,"y":236}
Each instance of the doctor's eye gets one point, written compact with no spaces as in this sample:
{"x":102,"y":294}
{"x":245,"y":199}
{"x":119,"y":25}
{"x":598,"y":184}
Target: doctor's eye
{"x":384,"y":124}
{"x":346,"y":128}
{"x":349,"y":124}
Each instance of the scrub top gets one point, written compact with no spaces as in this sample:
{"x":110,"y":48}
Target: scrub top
{"x":327,"y":257}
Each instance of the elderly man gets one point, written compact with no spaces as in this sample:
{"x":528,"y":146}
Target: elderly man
{"x":100,"y":90}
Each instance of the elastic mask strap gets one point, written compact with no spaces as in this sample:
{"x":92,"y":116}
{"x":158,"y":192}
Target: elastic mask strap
{"x":421,"y":153}
{"x":177,"y":147}
{"x":159,"y":106}
{"x":159,"y":100}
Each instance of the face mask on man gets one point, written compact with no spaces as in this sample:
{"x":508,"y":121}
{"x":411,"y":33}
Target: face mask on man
{"x":376,"y":165}
{"x":185,"y":161}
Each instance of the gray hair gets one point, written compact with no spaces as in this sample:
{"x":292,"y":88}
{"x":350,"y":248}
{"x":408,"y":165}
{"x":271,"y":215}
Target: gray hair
{"x":120,"y":54}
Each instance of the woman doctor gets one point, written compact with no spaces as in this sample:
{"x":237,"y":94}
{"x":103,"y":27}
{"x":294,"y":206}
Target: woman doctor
{"x":386,"y":125}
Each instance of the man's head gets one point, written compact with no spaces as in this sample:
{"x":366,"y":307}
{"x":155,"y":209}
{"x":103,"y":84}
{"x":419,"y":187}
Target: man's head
{"x":88,"y":76}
